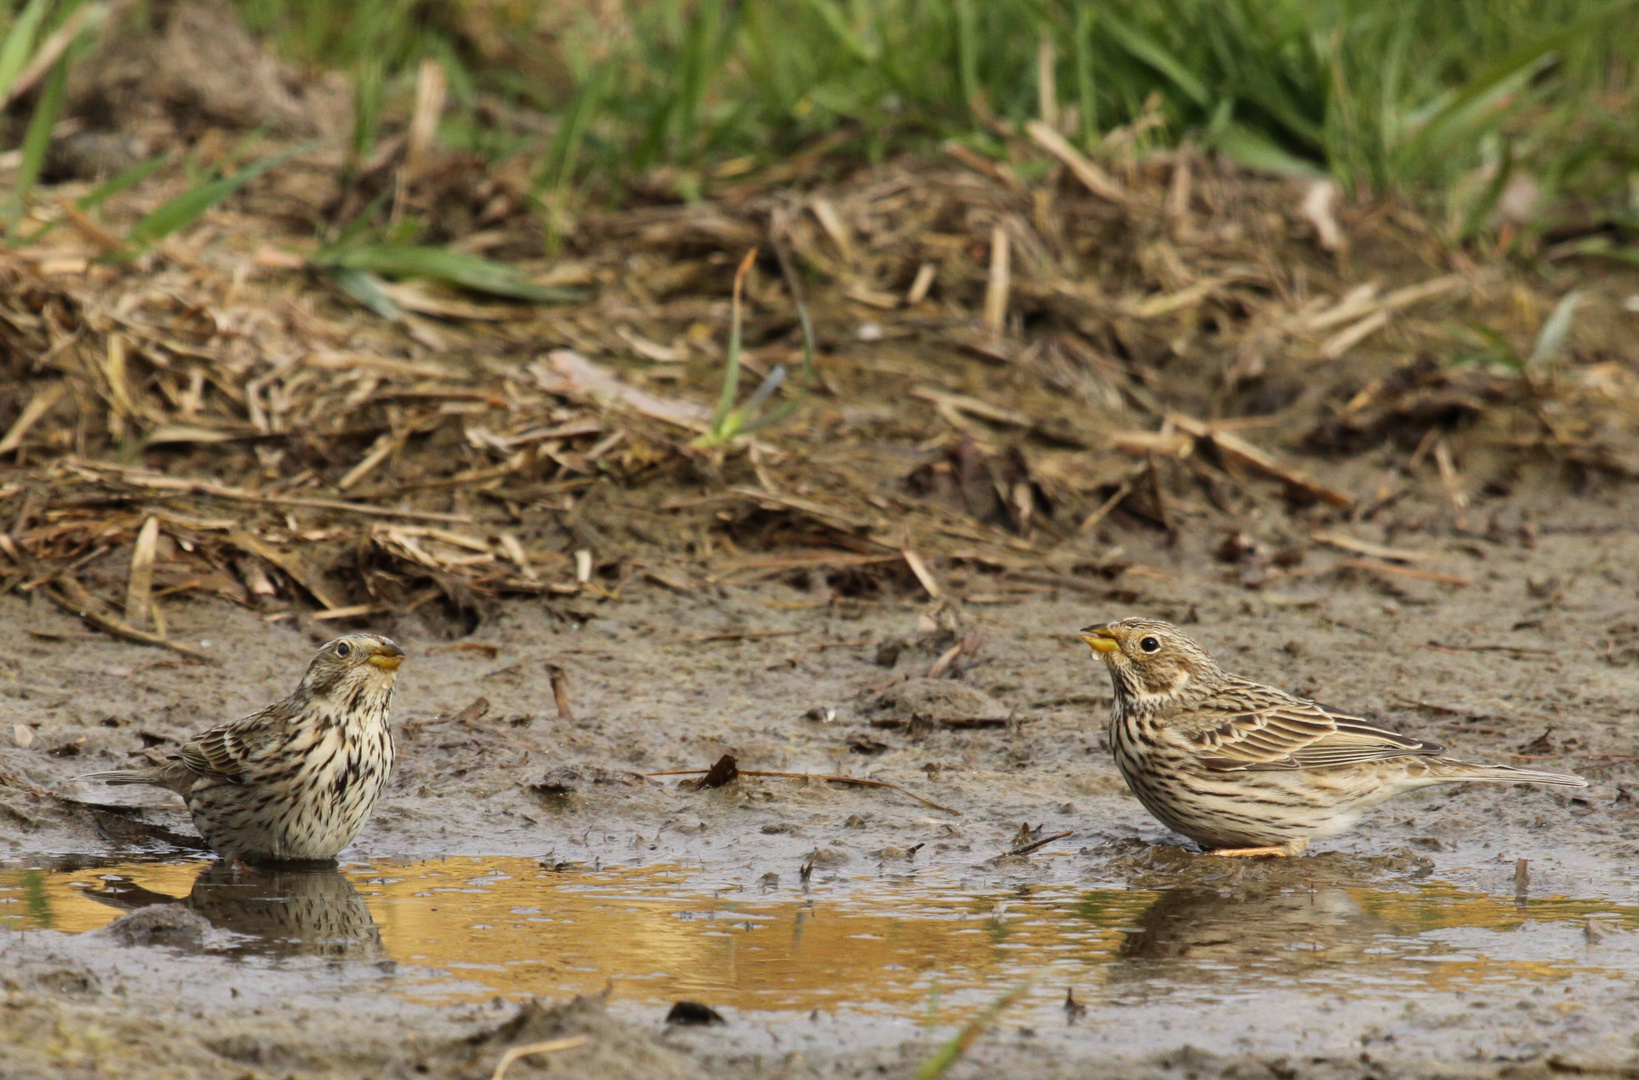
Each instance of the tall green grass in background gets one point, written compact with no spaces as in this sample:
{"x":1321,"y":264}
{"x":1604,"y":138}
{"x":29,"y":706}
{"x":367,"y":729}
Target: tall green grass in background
{"x":1436,"y":98}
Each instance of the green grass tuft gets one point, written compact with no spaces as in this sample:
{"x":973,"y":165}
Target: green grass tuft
{"x":731,"y":421}
{"x":1384,"y":95}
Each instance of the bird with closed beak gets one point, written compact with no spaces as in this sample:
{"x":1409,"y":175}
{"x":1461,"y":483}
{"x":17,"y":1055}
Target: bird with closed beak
{"x":296,"y":780}
{"x":1246,"y":769}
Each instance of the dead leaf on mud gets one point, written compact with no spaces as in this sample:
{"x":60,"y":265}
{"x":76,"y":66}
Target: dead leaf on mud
{"x":1542,"y":744}
{"x":726,"y":770}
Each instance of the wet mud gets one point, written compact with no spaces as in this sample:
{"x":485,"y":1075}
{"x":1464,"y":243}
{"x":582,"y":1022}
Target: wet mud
{"x":524,"y":879}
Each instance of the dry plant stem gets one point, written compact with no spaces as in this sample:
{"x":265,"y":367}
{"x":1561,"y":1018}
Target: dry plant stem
{"x":920,"y":569}
{"x":140,"y":585}
{"x":1405,"y":571}
{"x":1239,"y":450}
{"x":352,"y":611}
{"x":1519,"y":649}
{"x":1000,"y":284}
{"x":747,"y":635}
{"x":1091,"y":521}
{"x":140,"y":478}
{"x":946,"y":658}
{"x":431,"y":90}
{"x":290,"y":563}
{"x":70,"y":595}
{"x":1037,"y":845}
{"x":43,"y":401}
{"x":925,"y":275}
{"x":560,"y":693}
{"x":1451,"y":479}
{"x":1093,"y":178}
{"x":857,"y":781}
{"x":387,"y":444}
{"x":1366,"y":547}
{"x":550,"y":1046}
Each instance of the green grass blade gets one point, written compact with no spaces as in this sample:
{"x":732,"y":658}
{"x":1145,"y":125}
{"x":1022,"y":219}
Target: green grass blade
{"x":1486,"y":91}
{"x":367,"y":290}
{"x":38,"y":140}
{"x":790,"y":405}
{"x":725,"y":424}
{"x":1603,"y":247}
{"x":557,"y":170}
{"x":471,"y":272}
{"x":1086,"y":74}
{"x":368,"y":84}
{"x":951,"y":1052}
{"x":100,"y":194}
{"x":122,"y":182}
{"x":730,"y":422}
{"x":362,"y":221}
{"x":839,"y":28}
{"x":1151,"y":52}
{"x":701,"y":64}
{"x":1254,"y":150}
{"x":187,"y":207}
{"x":967,"y":54}
{"x":19,"y":43}
{"x":1501,"y":351}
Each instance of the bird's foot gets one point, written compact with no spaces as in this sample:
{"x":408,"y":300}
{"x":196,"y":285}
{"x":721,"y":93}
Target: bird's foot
{"x":1273,"y":851}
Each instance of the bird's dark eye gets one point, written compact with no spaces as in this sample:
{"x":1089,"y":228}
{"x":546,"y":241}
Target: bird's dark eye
{"x":1150,"y":644}
{"x":343,"y":649}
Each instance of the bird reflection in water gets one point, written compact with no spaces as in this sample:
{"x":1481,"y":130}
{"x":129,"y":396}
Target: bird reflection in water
{"x":292,"y":910}
{"x":1198,"y":934}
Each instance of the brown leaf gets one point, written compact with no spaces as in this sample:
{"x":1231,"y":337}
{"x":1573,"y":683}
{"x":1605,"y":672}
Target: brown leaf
{"x":725,"y":771}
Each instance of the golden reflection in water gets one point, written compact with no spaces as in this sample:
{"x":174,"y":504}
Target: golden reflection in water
{"x":474,"y":927}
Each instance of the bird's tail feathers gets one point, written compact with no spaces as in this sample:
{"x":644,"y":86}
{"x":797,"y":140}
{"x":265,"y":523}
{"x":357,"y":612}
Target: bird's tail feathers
{"x":117,"y":777}
{"x":1465,"y":771}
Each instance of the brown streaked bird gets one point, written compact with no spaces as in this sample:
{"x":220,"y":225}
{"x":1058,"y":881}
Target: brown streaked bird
{"x":296,"y":780}
{"x":1246,"y":769}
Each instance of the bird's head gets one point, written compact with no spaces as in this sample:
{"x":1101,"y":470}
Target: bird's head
{"x":1151,"y":661}
{"x":353,"y":665}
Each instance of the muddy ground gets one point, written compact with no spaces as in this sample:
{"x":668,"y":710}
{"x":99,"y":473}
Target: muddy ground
{"x":1541,"y":641}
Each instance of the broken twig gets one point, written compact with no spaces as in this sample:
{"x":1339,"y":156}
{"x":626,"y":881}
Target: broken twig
{"x":72,"y":597}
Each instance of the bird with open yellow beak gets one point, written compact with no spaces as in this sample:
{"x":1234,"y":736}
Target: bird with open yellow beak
{"x":1246,"y":769}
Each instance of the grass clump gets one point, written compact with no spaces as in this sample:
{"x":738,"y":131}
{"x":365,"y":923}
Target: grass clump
{"x":731,"y":421}
{"x":1402,"y":95}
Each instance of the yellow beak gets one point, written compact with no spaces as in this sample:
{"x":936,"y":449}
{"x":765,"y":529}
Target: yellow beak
{"x":386,"y":657}
{"x":1101,"y":638}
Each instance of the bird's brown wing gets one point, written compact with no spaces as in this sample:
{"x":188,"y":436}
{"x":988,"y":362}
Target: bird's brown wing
{"x":1264,"y":729}
{"x":223,"y":751}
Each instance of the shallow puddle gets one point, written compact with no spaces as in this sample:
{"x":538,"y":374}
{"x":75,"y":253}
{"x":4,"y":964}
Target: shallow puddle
{"x":915,"y":946}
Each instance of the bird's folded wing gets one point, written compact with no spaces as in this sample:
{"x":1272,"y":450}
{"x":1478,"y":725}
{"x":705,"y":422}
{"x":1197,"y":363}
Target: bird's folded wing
{"x":1296,"y":734}
{"x":224,"y":751}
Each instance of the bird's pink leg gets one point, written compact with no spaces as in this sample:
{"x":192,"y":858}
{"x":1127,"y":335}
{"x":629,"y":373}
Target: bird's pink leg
{"x":1274,"y":851}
